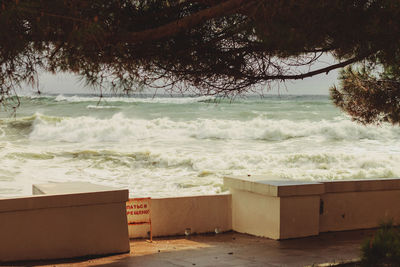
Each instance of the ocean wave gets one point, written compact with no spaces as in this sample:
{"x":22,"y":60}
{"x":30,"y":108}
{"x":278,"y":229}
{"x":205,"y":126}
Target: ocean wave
{"x":149,"y":100}
{"x":103,"y":159}
{"x":101,"y":107}
{"x":279,"y":130}
{"x":170,"y":150}
{"x":119,"y":128}
{"x":24,"y":125}
{"x":166,"y":171}
{"x":294,"y":166}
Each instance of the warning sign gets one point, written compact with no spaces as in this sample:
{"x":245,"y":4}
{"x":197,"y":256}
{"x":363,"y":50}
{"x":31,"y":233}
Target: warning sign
{"x":138,"y":212}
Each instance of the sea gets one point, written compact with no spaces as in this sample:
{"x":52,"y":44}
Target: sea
{"x":167,"y":146}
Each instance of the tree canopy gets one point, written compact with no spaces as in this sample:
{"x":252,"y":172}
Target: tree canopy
{"x":208,"y":47}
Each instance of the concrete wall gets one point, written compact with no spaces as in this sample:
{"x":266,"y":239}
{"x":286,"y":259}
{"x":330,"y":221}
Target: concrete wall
{"x":359,"y":210}
{"x":202,"y":214}
{"x":63,"y":226}
{"x":255,"y":214}
{"x":290,"y":209}
{"x":299,"y":216}
{"x":94,"y":223}
{"x":278,"y":209}
{"x":277,"y":214}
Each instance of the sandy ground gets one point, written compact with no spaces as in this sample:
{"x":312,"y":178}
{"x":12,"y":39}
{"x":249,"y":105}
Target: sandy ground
{"x":230,"y":249}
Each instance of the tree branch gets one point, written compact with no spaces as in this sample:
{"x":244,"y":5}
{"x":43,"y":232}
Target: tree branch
{"x":225,"y":8}
{"x":319,"y":71}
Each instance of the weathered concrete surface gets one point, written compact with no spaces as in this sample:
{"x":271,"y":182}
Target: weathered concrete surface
{"x":359,"y":204}
{"x":68,"y":188}
{"x":202,"y":214}
{"x":275,"y":209}
{"x":359,"y":210}
{"x":275,"y":188}
{"x":64,"y":225}
{"x":232,"y":249}
{"x":292,"y":209}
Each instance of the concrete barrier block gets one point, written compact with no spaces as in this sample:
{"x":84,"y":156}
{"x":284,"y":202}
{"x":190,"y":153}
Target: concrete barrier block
{"x":275,"y":209}
{"x":64,"y":225}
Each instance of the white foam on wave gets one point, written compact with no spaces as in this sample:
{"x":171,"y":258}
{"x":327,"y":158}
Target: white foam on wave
{"x":191,"y":157}
{"x":120,"y":128}
{"x":188,"y":172}
{"x":188,"y":155}
{"x":89,"y":129}
{"x":155,"y":100}
{"x":101,"y":107}
{"x":278,"y":130}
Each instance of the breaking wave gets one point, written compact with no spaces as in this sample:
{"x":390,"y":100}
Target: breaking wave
{"x":152,"y":100}
{"x":101,"y":107}
{"x":198,"y":172}
{"x":121,"y":128}
{"x":162,"y":147}
{"x":25,"y":125}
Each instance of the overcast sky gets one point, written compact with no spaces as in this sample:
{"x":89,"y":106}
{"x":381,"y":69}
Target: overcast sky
{"x":65,"y":83}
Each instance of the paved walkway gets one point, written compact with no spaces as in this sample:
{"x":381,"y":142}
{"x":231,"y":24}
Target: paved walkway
{"x":234,"y":249}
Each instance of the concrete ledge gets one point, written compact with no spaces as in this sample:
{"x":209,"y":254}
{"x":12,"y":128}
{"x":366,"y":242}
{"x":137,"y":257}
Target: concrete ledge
{"x":273,"y":208}
{"x":65,"y":200}
{"x":274,"y":217}
{"x":362,"y":185}
{"x":291,"y":209}
{"x":63,"y":226}
{"x":69,"y":188}
{"x":80,"y":219}
{"x":275,"y":188}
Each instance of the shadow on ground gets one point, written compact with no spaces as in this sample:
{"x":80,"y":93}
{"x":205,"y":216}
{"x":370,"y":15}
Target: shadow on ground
{"x":230,"y":249}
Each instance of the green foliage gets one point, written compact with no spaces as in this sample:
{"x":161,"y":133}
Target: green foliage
{"x":383,"y":249}
{"x":369,"y":96}
{"x":207,"y":47}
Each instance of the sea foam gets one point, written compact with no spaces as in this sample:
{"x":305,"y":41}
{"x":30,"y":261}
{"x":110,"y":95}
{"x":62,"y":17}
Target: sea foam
{"x":121,"y":128}
{"x":185,"y":146}
{"x":127,"y":99}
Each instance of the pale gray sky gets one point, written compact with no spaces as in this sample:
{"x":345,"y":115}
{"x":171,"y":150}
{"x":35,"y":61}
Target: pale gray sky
{"x":65,"y":83}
